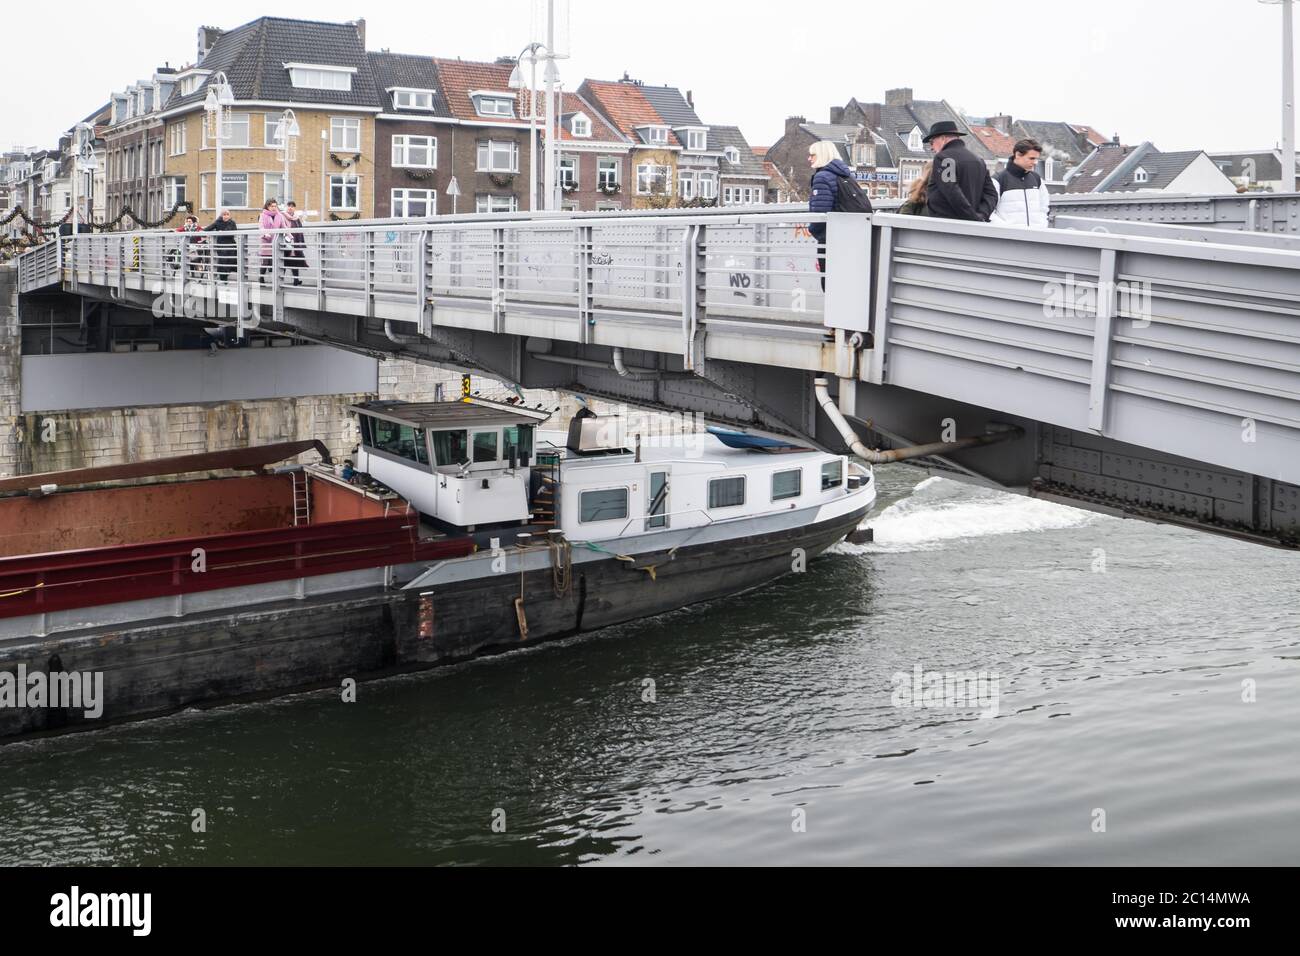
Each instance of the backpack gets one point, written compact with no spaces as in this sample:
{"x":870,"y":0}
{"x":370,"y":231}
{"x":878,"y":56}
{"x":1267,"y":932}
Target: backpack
{"x":850,"y":197}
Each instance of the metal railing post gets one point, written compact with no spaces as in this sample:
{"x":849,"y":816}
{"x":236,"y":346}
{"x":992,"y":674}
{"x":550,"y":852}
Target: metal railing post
{"x":498,"y":279}
{"x":423,"y":307}
{"x":586,"y":284}
{"x":368,"y":245}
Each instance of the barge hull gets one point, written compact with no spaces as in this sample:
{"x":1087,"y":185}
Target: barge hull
{"x":161,"y":667}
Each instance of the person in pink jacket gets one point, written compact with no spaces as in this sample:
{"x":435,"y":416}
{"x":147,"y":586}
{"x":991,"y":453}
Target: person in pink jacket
{"x":271,"y":218}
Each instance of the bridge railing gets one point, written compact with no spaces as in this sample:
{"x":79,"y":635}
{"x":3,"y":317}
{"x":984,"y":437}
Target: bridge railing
{"x":752,"y":265}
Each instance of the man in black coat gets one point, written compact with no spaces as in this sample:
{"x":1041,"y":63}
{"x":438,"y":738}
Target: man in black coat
{"x":960,"y":186}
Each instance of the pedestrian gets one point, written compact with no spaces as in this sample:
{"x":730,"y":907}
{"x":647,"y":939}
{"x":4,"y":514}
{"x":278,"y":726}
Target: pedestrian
{"x":223,"y":251}
{"x":295,"y":257}
{"x":915,"y":204}
{"x":270,"y":219}
{"x":829,"y":171}
{"x":1023,"y":199}
{"x":959,"y":186}
{"x":193,"y":251}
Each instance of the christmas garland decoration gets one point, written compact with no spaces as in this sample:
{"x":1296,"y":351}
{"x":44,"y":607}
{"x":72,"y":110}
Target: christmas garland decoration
{"x":337,"y":218}
{"x":127,"y":213}
{"x":609,"y":188}
{"x":421,"y":174}
{"x":347,"y":161}
{"x":570,"y":187}
{"x":502,"y":180}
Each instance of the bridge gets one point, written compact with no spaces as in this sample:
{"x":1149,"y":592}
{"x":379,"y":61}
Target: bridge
{"x":1142,"y":357}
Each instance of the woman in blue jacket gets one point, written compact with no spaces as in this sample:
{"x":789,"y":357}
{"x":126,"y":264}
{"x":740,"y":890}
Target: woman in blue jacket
{"x":827,"y":168}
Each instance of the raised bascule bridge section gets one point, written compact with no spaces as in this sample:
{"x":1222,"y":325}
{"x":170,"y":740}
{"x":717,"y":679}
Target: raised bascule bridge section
{"x":1142,"y":357}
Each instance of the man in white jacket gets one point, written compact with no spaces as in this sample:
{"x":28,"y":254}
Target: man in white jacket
{"x":1023,"y":199}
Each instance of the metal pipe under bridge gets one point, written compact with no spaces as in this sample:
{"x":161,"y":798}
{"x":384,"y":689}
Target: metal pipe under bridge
{"x":1146,"y":348}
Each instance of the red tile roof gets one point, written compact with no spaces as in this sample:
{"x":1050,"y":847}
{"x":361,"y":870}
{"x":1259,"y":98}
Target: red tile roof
{"x":459,"y":77}
{"x":1094,"y":138}
{"x":997,"y":142}
{"x":570,"y":103}
{"x":627,"y":106}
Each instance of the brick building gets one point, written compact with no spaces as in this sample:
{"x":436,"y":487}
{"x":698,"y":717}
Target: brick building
{"x":319,"y":71}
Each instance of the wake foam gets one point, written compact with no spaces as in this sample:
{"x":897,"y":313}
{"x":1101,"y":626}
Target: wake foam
{"x":941,"y":510}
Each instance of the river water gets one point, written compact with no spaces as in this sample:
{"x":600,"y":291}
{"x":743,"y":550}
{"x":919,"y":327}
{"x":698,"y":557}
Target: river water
{"x":1147,"y":711}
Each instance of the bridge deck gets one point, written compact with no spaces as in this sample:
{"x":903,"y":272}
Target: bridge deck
{"x":1183,"y":338}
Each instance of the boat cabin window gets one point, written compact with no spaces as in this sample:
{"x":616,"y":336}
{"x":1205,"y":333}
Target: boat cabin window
{"x":726,"y":492}
{"x":450,"y":448}
{"x":607,"y":504}
{"x":518,"y":441}
{"x":485,"y":446}
{"x":787,"y":484}
{"x":833,"y":474}
{"x":404,"y":441}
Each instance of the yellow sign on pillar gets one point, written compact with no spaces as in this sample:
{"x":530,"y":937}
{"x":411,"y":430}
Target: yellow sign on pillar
{"x":464,"y":388}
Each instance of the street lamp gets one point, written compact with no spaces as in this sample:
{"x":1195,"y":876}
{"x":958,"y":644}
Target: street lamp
{"x":516,"y":83}
{"x":220,"y":97}
{"x":1288,"y":97}
{"x":82,"y":154}
{"x":286,"y":143}
{"x":552,"y":77}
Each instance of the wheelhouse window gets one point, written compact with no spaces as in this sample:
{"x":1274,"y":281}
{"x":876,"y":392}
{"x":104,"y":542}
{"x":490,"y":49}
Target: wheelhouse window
{"x":485,"y":446}
{"x":517,"y":441}
{"x":787,"y":484}
{"x":833,"y":474}
{"x":726,"y":492}
{"x":450,"y":447}
{"x":404,"y":441}
{"x":607,"y":504}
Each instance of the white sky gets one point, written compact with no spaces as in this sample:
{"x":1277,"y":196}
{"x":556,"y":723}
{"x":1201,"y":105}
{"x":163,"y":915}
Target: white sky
{"x":1184,"y":74}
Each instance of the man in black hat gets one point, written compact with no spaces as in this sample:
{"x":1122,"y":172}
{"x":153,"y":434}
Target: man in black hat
{"x":960,"y":186}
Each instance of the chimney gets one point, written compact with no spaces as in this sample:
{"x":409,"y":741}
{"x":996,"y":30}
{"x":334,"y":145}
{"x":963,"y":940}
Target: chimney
{"x":208,"y":37}
{"x":871,"y":114}
{"x":792,"y":123}
{"x":1001,"y":123}
{"x":690,"y":99}
{"x":360,"y":25}
{"x":1115,"y":139}
{"x":837,"y":115}
{"x":899,"y":97}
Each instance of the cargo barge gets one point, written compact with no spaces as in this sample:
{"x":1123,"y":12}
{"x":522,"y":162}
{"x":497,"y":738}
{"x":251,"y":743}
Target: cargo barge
{"x":463,"y":528}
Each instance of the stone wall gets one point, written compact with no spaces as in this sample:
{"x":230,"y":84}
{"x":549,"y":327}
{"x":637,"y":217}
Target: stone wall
{"x":54,"y":441}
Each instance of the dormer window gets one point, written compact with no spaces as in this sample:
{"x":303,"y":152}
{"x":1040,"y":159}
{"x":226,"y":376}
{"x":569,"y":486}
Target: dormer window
{"x":404,"y":99}
{"x":317,"y":76}
{"x":732,"y":154}
{"x":657,"y":135}
{"x":914,"y":140}
{"x":697,"y":140}
{"x":1140,"y":175}
{"x":580,"y":126}
{"x":499,"y":105}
